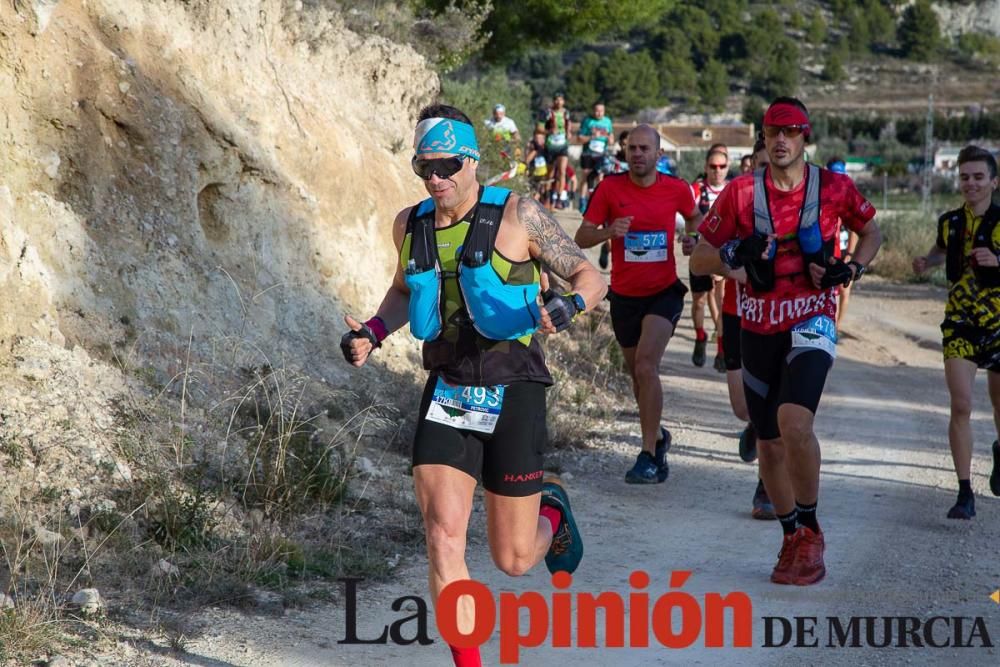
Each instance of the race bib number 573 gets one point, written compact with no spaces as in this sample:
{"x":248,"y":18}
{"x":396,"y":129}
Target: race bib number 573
{"x":646,"y":247}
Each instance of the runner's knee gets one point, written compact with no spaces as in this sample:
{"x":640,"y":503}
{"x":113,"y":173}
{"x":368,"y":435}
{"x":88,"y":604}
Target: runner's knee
{"x":796,"y":429}
{"x":513,"y":561}
{"x":961,"y":407}
{"x":770,"y":452}
{"x":445,"y":538}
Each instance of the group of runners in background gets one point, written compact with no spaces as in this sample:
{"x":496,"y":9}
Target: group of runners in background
{"x":773,"y":254}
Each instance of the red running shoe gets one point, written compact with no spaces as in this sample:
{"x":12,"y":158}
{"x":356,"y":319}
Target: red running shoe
{"x":808,"y":567}
{"x":782,"y":572}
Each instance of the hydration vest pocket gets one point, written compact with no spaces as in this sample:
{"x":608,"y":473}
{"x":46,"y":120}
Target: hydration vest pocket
{"x":425,"y":303}
{"x":498,"y":311}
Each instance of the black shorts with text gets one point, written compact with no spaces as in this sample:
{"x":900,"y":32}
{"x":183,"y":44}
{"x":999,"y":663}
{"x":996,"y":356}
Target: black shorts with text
{"x":507,"y":461}
{"x":775,"y":373}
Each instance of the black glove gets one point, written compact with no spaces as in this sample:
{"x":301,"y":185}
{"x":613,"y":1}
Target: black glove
{"x":562,"y":308}
{"x":739,"y":252}
{"x":345,"y":341}
{"x":837,"y":273}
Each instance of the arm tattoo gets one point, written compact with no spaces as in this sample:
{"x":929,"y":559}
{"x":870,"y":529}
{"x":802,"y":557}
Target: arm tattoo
{"x":558,"y":251}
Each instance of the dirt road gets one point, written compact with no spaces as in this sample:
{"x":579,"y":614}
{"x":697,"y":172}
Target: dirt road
{"x":887,"y":482}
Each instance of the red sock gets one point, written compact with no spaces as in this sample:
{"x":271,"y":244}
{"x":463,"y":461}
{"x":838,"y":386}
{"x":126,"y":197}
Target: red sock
{"x":466,"y":657}
{"x":553,"y":515}
{"x":699,"y":335}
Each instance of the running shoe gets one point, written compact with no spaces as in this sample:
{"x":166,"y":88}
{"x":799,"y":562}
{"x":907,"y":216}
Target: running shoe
{"x":698,"y":357}
{"x":566,"y":550}
{"x":995,"y":475}
{"x":964,"y":508}
{"x":719,"y":364}
{"x":782,"y":572}
{"x":762,"y":510}
{"x":645,"y":470}
{"x":748,"y":444}
{"x":662,"y":447}
{"x":808,"y":567}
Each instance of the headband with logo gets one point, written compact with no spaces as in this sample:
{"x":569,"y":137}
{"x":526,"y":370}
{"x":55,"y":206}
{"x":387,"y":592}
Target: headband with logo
{"x":445,"y":135}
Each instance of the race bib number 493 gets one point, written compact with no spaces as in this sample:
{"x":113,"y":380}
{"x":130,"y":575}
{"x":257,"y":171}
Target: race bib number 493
{"x":646,"y":247}
{"x":470,"y":408}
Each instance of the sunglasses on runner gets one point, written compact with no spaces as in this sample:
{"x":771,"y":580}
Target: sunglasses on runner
{"x":718,"y":166}
{"x":790,"y":131}
{"x":444,"y":167}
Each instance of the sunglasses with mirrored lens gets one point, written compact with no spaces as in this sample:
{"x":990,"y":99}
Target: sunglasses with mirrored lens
{"x":790,"y":131}
{"x":444,"y":167}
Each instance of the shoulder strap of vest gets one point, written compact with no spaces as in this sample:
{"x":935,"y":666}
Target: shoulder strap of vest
{"x":482,"y":234}
{"x":423,"y":243}
{"x":762,"y":222}
{"x":810,"y":205}
{"x":989,"y":223}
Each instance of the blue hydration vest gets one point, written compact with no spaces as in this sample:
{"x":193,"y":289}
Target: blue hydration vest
{"x":497,"y":310}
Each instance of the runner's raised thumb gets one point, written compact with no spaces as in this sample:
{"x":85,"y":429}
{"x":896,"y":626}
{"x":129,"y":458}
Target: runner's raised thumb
{"x":352,"y":323}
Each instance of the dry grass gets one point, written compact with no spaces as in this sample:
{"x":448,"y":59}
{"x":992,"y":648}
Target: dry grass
{"x":590,"y":376}
{"x":905,"y":236}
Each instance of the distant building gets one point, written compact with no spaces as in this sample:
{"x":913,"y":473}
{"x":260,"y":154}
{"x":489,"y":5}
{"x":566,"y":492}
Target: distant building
{"x":946,"y":159}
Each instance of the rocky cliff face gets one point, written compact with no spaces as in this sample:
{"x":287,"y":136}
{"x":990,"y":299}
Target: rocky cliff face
{"x":179,"y":176}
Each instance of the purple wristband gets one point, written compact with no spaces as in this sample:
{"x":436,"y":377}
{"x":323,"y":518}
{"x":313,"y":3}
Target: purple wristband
{"x":378,"y":328}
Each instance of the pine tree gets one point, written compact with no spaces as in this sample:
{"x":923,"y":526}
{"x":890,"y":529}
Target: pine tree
{"x":918,"y":32}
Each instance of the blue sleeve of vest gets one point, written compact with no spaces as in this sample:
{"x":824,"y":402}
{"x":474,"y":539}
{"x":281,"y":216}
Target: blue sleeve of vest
{"x":494,"y":196}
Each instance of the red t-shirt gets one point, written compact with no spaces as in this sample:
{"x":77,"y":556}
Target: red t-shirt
{"x":793,"y":298}
{"x":643,"y":261}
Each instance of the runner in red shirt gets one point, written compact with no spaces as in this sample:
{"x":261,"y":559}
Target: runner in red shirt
{"x":636,"y":211}
{"x":788,"y":310}
{"x":761,"y":507}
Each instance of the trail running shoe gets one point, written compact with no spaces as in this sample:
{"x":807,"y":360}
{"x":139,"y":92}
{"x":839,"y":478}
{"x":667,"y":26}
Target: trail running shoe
{"x":662,"y":447}
{"x":963,"y":509}
{"x":995,"y":475}
{"x":808,"y":567}
{"x":719,"y":364}
{"x":782,"y":572}
{"x":566,"y":550}
{"x":748,"y":444}
{"x":762,"y":510}
{"x":645,"y":470}
{"x":698,"y":356}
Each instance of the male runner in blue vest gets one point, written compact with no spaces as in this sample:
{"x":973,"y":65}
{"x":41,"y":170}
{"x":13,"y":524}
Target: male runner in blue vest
{"x":466,"y":282}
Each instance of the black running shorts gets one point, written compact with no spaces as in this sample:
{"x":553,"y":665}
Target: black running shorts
{"x":590,"y":161}
{"x":700,"y":284}
{"x":507,"y":461}
{"x":627,"y":312}
{"x":731,"y":341}
{"x":775,"y":373}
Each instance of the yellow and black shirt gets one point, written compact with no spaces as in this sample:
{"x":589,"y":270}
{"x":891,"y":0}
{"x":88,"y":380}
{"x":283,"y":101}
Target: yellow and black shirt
{"x":972,"y":314}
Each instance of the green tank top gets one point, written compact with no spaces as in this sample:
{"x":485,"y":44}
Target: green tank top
{"x":459,"y":353}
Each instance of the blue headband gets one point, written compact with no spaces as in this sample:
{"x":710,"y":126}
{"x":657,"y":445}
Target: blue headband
{"x":445,"y":135}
